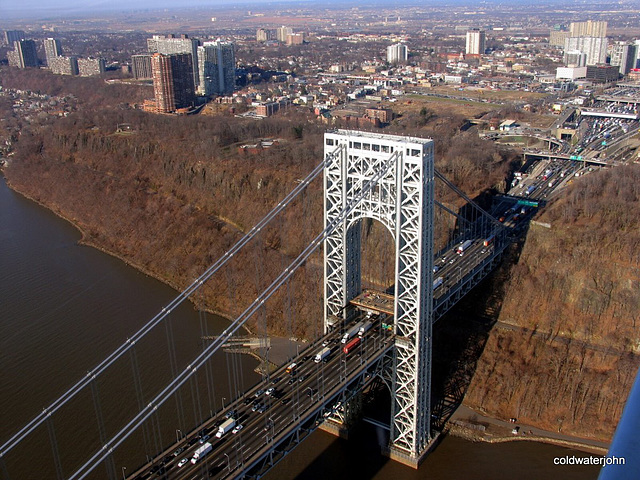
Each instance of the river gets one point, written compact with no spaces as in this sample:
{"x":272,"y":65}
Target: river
{"x":65,"y":307}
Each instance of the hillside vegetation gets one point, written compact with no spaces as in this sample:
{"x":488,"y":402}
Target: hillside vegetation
{"x":565,"y":351}
{"x":174,"y":193}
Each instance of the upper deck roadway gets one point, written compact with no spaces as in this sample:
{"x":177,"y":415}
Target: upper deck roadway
{"x":300,"y":400}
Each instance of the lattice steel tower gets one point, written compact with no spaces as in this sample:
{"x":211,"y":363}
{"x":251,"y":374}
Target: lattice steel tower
{"x":403,"y":201}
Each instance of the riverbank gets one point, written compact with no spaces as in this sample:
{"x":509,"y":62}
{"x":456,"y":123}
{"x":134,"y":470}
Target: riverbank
{"x":85,"y":241}
{"x":474,"y":426}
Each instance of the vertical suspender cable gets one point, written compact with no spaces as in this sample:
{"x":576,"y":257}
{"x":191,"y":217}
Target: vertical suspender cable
{"x":54,"y":450}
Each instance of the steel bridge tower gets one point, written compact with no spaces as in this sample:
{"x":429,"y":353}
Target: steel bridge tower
{"x":403,"y":201}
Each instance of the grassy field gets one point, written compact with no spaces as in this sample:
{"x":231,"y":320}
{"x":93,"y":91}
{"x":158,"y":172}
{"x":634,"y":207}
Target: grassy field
{"x":414,"y":103}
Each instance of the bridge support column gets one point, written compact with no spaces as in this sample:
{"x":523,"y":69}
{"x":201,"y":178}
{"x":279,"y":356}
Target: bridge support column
{"x":403,"y":201}
{"x":345,"y":417}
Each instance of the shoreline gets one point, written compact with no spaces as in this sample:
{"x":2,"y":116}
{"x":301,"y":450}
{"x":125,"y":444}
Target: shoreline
{"x":87,"y":243}
{"x":477,"y":427}
{"x":470,"y":435}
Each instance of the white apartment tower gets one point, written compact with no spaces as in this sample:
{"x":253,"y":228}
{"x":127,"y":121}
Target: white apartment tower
{"x":594,"y":47}
{"x":283,"y":32}
{"x":52,"y":49}
{"x":217,"y":68}
{"x":397,"y":53}
{"x":623,"y":55}
{"x":476,"y":42}
{"x":589,"y":28}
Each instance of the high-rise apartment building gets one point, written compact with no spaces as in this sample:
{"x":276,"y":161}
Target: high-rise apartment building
{"x":594,"y":47}
{"x":264,"y":35}
{"x":623,"y":55}
{"x":589,"y":28}
{"x":173,"y":84}
{"x":171,"y":44}
{"x":476,"y":41}
{"x":282,"y":32}
{"x":295,"y":39}
{"x":24,"y":54}
{"x":89,"y":67}
{"x":557,"y":37}
{"x":11,"y":36}
{"x":64,"y":65}
{"x":217,"y":65}
{"x":52,"y":49}
{"x":397,"y":53}
{"x":141,"y":66}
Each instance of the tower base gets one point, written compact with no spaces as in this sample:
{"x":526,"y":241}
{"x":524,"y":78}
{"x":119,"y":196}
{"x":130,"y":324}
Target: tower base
{"x":412,"y":461}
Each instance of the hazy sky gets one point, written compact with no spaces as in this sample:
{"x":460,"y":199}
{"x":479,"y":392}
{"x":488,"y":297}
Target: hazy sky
{"x":44,"y":8}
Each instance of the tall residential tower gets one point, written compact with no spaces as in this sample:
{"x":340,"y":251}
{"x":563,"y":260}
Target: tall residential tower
{"x":171,"y":44}
{"x":24,"y":54}
{"x":217,"y":65}
{"x":52,"y":49}
{"x":172,"y":81}
{"x":397,"y":53}
{"x":476,"y":42}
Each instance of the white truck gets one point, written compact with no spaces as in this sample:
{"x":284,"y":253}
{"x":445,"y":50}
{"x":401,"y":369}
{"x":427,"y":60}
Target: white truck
{"x":437,"y":282}
{"x":322,"y":354}
{"x":366,"y":326}
{"x":463,"y":246}
{"x":353,"y":331}
{"x":226,"y":426}
{"x":201,"y":452}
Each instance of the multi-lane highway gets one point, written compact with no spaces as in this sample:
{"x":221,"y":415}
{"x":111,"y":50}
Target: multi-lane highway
{"x":271,"y":411}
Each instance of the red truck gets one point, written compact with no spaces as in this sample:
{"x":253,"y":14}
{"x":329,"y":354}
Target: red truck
{"x":352,"y":345}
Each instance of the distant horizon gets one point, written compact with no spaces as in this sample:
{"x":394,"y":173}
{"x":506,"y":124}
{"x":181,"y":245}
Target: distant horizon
{"x":34,"y":9}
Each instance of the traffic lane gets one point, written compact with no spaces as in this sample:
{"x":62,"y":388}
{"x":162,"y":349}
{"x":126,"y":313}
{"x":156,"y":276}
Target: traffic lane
{"x":311,"y":403}
{"x":277,"y":414}
{"x":168,"y":464}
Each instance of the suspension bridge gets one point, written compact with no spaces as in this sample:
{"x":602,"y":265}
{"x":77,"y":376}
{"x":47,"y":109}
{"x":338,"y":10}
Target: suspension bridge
{"x":366,"y":336}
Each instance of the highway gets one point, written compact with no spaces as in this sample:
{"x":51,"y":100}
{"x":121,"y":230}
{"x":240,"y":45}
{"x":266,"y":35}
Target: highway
{"x":296,"y":398}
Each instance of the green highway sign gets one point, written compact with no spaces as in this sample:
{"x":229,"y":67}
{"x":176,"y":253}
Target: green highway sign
{"x":529,"y":203}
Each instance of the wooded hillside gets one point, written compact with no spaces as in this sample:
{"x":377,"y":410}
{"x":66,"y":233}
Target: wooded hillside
{"x":565,"y":351}
{"x":174,"y":193}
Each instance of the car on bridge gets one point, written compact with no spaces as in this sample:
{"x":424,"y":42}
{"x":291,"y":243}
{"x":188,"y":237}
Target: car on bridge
{"x":237,"y":428}
{"x":178,"y":451}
